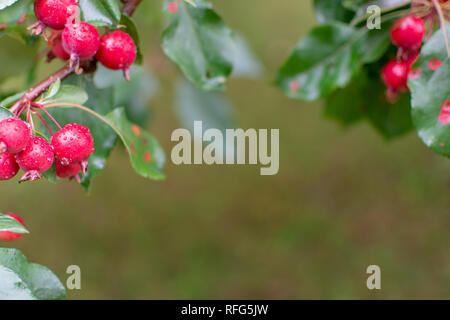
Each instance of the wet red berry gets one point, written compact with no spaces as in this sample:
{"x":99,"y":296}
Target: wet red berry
{"x":55,"y":45}
{"x":14,"y":135}
{"x":8,"y":166}
{"x":68,"y":171}
{"x":395,"y":75}
{"x":408,"y":32}
{"x":117,"y":51}
{"x":55,"y":13}
{"x":36,"y":158}
{"x":11,"y":236}
{"x":80,"y":40}
{"x":72,"y":144}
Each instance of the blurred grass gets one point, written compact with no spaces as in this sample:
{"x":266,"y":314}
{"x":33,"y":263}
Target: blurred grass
{"x":343,"y":199}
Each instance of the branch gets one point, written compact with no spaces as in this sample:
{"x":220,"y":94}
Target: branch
{"x":442,"y":22}
{"x":43,"y":86}
{"x":34,"y":92}
{"x":130,"y":6}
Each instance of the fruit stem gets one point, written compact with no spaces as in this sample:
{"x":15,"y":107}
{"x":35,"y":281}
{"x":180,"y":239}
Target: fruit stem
{"x":43,"y":121}
{"x":130,"y":6}
{"x":438,"y":8}
{"x":29,"y":118}
{"x":47,"y":113}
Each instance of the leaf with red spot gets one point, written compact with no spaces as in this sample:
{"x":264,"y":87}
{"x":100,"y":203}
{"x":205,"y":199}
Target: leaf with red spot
{"x":146,"y":155}
{"x":431,"y":95}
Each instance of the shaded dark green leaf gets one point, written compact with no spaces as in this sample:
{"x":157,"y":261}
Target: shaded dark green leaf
{"x":328,"y":58}
{"x":331,"y":10}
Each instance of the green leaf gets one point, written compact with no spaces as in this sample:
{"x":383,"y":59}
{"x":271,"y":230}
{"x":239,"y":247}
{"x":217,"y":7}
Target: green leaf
{"x":9,"y":101}
{"x":245,"y":62}
{"x":390,"y":119}
{"x":52,"y":91}
{"x":328,"y":58}
{"x":9,"y":18}
{"x":431,"y":94}
{"x":133,"y":95}
{"x":365,"y":98}
{"x":8,"y":223}
{"x":212,"y":108}
{"x":65,"y":93}
{"x":197,"y":40}
{"x":21,"y":280}
{"x":100,"y":12}
{"x":347,"y":105}
{"x":6,"y":3}
{"x":331,"y":10}
{"x":131,"y":29}
{"x":146,"y":155}
{"x":11,"y":13}
{"x":5,"y":113}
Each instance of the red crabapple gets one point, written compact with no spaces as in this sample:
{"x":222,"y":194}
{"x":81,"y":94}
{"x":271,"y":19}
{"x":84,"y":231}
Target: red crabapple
{"x":408,"y":32}
{"x":14,"y":135}
{"x":117,"y":51}
{"x":35,"y":159}
{"x":73,"y":144}
{"x":395,"y":75}
{"x":54,"y":14}
{"x":81,"y":40}
{"x":8,"y":166}
{"x":11,"y":236}
{"x":69,"y":171}
{"x":55,"y":45}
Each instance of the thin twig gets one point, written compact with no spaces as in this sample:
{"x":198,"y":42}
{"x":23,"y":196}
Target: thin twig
{"x":442,"y":22}
{"x":130,"y":6}
{"x":41,"y":87}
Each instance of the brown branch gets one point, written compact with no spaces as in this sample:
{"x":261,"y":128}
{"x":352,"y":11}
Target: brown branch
{"x":43,"y":86}
{"x":88,"y":66}
{"x":130,"y":6}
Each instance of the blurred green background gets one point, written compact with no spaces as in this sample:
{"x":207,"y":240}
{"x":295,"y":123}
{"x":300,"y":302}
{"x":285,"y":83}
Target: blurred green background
{"x":343,"y":199}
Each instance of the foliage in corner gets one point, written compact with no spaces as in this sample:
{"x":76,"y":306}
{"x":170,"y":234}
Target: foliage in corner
{"x":367,"y":63}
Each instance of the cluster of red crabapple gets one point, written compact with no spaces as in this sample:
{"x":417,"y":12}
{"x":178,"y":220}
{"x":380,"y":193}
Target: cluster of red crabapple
{"x":71,"y":146}
{"x":408,"y":33}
